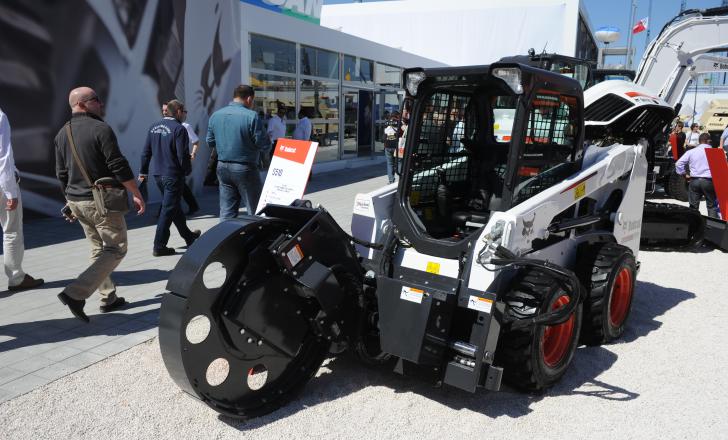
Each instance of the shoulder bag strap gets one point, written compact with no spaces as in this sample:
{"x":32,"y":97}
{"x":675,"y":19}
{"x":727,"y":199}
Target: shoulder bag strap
{"x":75,"y":155}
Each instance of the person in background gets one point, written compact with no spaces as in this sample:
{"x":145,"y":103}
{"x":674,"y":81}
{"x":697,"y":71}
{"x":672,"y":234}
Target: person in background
{"x":276,"y":129}
{"x":724,"y":139}
{"x":303,"y":128}
{"x":187,"y":195}
{"x":701,"y":181}
{"x":692,"y":139}
{"x":391,"y":137}
{"x":11,"y":215}
{"x":99,"y":152}
{"x":458,"y":131}
{"x":237,"y":135}
{"x":168,"y":143}
{"x":402,"y":139}
{"x":679,"y":136}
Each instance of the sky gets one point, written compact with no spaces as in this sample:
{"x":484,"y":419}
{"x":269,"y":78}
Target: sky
{"x":616,"y":13}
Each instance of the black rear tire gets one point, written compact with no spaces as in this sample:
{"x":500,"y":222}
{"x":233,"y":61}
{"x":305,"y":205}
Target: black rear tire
{"x":677,"y":187}
{"x":608,"y":272}
{"x":536,"y":357}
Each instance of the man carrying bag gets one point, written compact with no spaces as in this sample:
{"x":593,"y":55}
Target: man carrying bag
{"x":95,"y":178}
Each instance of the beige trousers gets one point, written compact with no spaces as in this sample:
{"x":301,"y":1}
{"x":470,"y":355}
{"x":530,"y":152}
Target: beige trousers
{"x":107,"y":236}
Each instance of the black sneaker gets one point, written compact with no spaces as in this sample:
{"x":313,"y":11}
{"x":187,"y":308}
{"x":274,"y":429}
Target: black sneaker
{"x":195,"y":235}
{"x":163,"y":252}
{"x":75,"y":305}
{"x":120,"y":302}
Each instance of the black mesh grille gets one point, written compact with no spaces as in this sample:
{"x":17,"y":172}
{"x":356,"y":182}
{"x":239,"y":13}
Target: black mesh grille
{"x":606,"y":108}
{"x":439,"y":155}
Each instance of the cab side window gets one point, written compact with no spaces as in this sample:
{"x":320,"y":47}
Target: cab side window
{"x":549,"y":150}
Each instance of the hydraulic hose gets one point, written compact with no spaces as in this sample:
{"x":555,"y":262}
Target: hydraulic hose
{"x":504,"y":257}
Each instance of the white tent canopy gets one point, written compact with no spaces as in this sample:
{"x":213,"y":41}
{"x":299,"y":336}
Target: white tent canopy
{"x":462,"y":32}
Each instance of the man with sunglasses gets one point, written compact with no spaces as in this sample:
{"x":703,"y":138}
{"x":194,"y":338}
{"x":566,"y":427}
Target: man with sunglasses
{"x":98,"y":151}
{"x":167,"y":143}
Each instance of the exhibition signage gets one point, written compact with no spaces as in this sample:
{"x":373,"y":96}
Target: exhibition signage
{"x":719,"y":172}
{"x":309,"y":10}
{"x":288,"y":172}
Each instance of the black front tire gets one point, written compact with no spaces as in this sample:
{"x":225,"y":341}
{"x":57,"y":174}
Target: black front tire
{"x":608,"y":272}
{"x":530,"y":359}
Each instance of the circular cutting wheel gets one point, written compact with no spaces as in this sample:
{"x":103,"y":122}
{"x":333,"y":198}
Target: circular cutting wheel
{"x":234,"y":330}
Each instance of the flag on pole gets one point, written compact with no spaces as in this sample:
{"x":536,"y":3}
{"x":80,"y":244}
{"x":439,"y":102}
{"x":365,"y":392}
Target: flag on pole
{"x":640,"y":26}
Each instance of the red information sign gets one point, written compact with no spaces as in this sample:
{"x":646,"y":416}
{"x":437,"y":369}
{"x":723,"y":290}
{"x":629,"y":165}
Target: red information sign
{"x":719,"y":172}
{"x":288,"y":172}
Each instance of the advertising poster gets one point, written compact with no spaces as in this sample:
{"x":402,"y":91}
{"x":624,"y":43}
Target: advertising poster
{"x":288,"y":172}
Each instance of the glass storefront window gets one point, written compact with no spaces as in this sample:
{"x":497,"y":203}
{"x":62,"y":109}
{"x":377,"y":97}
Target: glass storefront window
{"x":386,"y":75}
{"x":272,"y":92}
{"x":320,"y":98}
{"x":271,"y":54}
{"x":326,"y":133}
{"x":319,"y":62}
{"x":320,"y":101}
{"x":358,"y":69}
{"x":366,"y":70}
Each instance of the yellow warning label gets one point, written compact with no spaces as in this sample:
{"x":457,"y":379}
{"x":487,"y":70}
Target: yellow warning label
{"x":580,"y":190}
{"x":414,"y":197}
{"x":433,"y":267}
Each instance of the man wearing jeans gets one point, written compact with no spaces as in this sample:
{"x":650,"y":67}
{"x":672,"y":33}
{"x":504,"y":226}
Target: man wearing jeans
{"x":236,"y":133}
{"x":695,"y":163}
{"x":167,"y":142}
{"x":98,"y":151}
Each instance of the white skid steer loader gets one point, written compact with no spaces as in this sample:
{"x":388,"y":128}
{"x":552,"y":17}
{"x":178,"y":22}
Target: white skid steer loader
{"x":499,"y":250}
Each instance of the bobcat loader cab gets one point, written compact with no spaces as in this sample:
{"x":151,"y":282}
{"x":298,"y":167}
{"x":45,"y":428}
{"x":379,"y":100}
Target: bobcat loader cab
{"x":458,"y":170}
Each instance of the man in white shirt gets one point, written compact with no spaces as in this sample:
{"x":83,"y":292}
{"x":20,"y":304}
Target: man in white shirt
{"x":303,"y":128}
{"x":276,"y":129}
{"x":11,"y":215}
{"x":277,"y":126}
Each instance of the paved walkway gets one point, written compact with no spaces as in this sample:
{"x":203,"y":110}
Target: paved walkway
{"x":40,"y":341}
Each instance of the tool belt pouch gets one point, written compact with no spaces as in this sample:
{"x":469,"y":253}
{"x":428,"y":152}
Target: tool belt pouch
{"x":110,"y":196}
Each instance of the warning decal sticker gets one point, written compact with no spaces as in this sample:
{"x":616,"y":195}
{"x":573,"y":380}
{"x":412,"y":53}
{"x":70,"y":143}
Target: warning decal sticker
{"x":295,"y":255}
{"x":480,"y":304}
{"x":412,"y":294}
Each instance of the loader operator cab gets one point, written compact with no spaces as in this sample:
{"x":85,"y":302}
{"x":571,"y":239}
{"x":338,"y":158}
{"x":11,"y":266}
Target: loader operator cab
{"x":482,"y":139}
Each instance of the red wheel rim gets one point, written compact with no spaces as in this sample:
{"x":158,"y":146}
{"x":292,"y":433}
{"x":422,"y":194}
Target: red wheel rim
{"x":557,"y":339}
{"x":621,"y":297}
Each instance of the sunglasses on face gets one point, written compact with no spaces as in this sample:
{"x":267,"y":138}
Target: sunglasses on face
{"x":93,"y":98}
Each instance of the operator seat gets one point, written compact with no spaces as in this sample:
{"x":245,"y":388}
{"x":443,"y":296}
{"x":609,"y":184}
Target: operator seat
{"x":486,"y":186}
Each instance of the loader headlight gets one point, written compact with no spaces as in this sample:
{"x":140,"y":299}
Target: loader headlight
{"x":511,"y":76}
{"x":413,"y":81}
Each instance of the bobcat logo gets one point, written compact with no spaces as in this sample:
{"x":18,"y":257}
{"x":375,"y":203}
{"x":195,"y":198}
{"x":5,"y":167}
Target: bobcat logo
{"x":528,"y":226}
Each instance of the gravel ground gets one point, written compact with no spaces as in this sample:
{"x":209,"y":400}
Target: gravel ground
{"x":660,"y":381}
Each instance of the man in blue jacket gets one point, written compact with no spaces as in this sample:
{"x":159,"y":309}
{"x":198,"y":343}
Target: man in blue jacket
{"x":167,"y":142}
{"x":237,"y":134}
